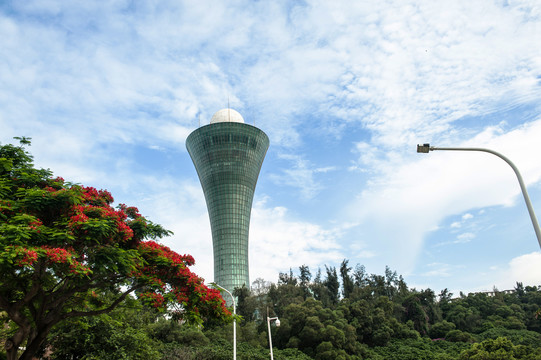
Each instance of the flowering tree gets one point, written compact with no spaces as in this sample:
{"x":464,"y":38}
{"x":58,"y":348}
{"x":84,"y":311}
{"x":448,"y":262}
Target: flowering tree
{"x":66,"y":252}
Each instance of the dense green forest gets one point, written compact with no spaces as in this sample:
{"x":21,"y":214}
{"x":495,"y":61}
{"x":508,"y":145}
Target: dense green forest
{"x":340,"y":313}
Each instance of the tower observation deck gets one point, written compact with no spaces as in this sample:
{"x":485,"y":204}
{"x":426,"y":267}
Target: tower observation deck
{"x":228,"y":155}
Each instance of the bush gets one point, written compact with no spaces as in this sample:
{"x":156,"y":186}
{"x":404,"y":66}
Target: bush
{"x":440,"y":329}
{"x":458,"y":336}
{"x":518,"y":337}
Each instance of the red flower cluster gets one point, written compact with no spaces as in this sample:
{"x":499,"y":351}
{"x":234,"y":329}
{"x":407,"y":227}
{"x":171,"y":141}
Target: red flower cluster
{"x":184,"y":288}
{"x":156,"y":300}
{"x":58,"y":255}
{"x":180,"y":296}
{"x":125,"y":232}
{"x":211,"y":295}
{"x":100,"y":197}
{"x":163,"y":251}
{"x":131,"y":211}
{"x":79,"y":217}
{"x":35,"y":224}
{"x":62,"y":256}
{"x":5,"y":207}
{"x":83,"y":213}
{"x":24,"y":256}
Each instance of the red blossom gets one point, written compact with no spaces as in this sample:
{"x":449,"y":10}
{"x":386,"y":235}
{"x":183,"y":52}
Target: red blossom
{"x":165,"y":252}
{"x":103,"y":197}
{"x":57,"y":255}
{"x":156,"y":300}
{"x":35,"y":224}
{"x":125,"y":231}
{"x":25,"y":257}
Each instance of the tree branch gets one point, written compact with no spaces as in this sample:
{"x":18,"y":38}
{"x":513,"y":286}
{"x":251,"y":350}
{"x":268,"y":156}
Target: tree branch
{"x":102,"y":311}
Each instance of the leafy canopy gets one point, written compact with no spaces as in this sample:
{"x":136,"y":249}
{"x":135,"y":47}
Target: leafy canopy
{"x":65,"y":251}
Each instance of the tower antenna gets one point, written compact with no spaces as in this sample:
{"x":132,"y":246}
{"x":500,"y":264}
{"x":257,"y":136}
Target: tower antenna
{"x":228,"y":110}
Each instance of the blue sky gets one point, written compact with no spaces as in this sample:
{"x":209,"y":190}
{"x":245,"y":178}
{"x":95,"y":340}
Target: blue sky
{"x":110,"y":90}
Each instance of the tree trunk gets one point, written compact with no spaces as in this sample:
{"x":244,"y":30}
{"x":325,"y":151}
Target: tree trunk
{"x":32,"y":347}
{"x":34,"y":340}
{"x":11,"y":349}
{"x":12,"y":344}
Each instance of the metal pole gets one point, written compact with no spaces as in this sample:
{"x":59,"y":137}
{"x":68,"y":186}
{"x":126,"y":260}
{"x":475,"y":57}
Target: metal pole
{"x":270,"y":338}
{"x":517,"y":173}
{"x":234,"y":321}
{"x":269,"y":319}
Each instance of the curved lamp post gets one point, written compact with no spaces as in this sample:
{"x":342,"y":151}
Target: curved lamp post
{"x":425,"y":148}
{"x":234,"y":320}
{"x":277,"y":322}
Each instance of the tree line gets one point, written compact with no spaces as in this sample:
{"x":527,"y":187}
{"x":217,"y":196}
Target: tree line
{"x":378,"y":317}
{"x":82,"y":279}
{"x":349,"y":314}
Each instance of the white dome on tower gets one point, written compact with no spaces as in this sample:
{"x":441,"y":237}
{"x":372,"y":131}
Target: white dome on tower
{"x":226,"y":115}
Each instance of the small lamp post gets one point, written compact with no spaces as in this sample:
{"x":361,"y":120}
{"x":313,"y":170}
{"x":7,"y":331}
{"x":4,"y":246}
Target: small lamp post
{"x":234,"y":320}
{"x":425,"y":148}
{"x":277,"y":322}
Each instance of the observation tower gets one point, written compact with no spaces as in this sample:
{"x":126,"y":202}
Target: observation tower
{"x":228,"y":155}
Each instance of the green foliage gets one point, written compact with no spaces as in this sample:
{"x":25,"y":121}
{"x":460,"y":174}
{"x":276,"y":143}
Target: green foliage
{"x":332,"y":285}
{"x":500,"y":348}
{"x":246,"y":305}
{"x":420,"y":349}
{"x":458,"y":336}
{"x":172,"y":332}
{"x":348,"y":284}
{"x":100,"y":337}
{"x":383,"y":319}
{"x":518,"y":337}
{"x":66,"y":252}
{"x":441,"y":329}
{"x":365,"y":326}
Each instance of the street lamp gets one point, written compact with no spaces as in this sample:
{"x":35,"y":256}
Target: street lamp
{"x":234,"y":320}
{"x":425,"y":148}
{"x":277,"y":322}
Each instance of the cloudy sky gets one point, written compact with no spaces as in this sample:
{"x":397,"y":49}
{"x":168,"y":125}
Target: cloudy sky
{"x":109,"y":90}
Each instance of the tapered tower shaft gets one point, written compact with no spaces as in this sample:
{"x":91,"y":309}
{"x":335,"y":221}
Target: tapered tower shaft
{"x":228,"y":157}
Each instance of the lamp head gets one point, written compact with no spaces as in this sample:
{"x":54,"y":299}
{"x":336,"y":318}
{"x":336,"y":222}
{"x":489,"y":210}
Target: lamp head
{"x":277,"y":322}
{"x":425,"y":148}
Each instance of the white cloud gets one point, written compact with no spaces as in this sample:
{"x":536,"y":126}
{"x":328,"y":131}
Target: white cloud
{"x":358,"y":250}
{"x":278,"y":242}
{"x":524,"y":268}
{"x":385,"y":69}
{"x":411,"y":197}
{"x":462,"y":222}
{"x":300,"y":175}
{"x":467,"y":216}
{"x":465,"y":237}
{"x":438,"y":270}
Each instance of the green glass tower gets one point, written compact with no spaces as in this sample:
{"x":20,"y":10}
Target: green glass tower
{"x":228,"y":155}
